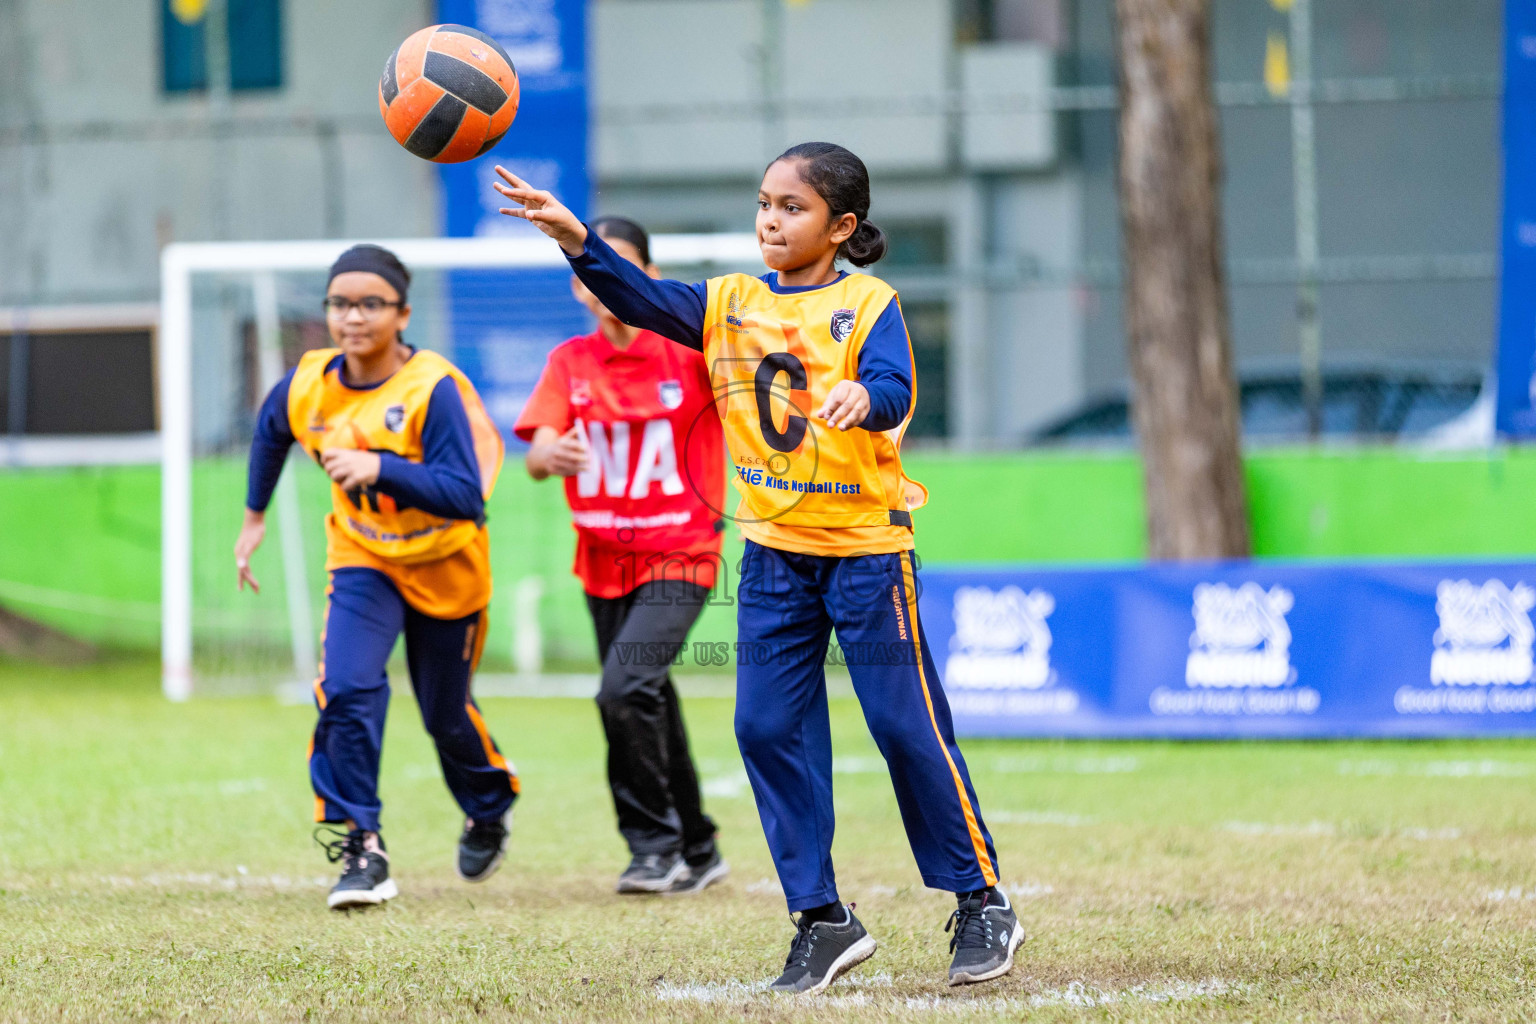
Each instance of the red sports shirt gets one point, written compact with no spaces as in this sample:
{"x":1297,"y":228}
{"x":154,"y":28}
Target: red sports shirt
{"x":651,"y":505}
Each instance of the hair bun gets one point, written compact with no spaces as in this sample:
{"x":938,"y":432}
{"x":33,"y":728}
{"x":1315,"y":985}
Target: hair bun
{"x":866,"y":246}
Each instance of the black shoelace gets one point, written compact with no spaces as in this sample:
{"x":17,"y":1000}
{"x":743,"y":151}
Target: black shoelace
{"x":970,"y":926}
{"x":805,"y":942}
{"x":346,"y":844}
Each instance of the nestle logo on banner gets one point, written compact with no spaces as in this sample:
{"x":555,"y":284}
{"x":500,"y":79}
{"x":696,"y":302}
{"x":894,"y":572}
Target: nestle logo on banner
{"x":1241,"y":637}
{"x":1485,"y":634}
{"x":1001,"y":639}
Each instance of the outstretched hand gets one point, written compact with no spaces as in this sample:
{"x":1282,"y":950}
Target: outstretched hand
{"x":543,"y":211}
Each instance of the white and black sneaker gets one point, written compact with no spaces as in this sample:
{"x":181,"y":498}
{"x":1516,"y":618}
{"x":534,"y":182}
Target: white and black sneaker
{"x":365,"y":877}
{"x":986,"y":933}
{"x":698,"y":877}
{"x":651,"y":872}
{"x":822,"y":951}
{"x":481,"y":847}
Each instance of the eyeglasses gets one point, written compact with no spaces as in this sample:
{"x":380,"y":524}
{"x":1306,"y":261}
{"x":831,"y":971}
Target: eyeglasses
{"x":338,"y":306}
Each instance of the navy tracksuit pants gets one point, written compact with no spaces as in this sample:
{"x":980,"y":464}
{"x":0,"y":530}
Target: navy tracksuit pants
{"x":788,"y":606}
{"x":365,"y":616}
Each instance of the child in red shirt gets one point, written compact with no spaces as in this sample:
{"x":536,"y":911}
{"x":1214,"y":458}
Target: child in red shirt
{"x":629,"y":419}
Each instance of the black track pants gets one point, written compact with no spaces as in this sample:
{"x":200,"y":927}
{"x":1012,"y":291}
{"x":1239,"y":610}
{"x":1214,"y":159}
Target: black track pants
{"x":650,"y":771}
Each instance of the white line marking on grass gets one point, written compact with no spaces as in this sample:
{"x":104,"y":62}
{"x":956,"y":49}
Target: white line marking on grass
{"x":1066,"y":765}
{"x":1324,"y":828}
{"x":711,"y":991}
{"x":243,"y":879}
{"x":1078,"y":994}
{"x":1245,"y":828}
{"x":1039,"y":818}
{"x":859,"y":766}
{"x":727,"y":787}
{"x":857,"y":991}
{"x":1428,"y":833}
{"x":1517,"y":893}
{"x":1478,"y":769}
{"x":1261,"y":828}
{"x":1020,"y":890}
{"x":221,"y":787}
{"x":736,"y":991}
{"x":1484,"y":769}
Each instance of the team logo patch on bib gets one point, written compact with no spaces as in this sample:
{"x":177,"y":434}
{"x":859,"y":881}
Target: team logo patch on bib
{"x":581,"y":392}
{"x":394,"y":418}
{"x":669,"y":393}
{"x":842,"y":323}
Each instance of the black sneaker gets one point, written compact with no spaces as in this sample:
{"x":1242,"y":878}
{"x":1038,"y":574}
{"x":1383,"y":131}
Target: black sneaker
{"x":986,"y":934}
{"x":698,"y":877}
{"x":365,"y":877}
{"x":652,"y":872}
{"x":481,"y":847}
{"x":821,"y":952}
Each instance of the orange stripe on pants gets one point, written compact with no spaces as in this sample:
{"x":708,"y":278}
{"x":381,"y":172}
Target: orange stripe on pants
{"x":474,"y":647}
{"x":320,"y":700}
{"x":491,"y":753}
{"x":978,"y":843}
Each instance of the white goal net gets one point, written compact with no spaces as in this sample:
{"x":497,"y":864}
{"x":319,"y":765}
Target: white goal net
{"x":234,"y":318}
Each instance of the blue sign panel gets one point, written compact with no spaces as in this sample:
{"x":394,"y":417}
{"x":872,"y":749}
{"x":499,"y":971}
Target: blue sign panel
{"x":505,"y":323}
{"x":1240,"y":650}
{"x":1516,"y":411}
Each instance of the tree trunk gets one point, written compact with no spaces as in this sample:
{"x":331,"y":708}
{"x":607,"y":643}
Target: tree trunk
{"x":1185,"y":403}
{"x":26,"y":639}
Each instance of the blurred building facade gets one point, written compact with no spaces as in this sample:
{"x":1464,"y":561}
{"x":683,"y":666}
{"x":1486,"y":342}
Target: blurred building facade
{"x":989,"y":127}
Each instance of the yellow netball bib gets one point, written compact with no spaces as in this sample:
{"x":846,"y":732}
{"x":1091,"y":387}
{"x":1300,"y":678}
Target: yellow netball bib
{"x":325,"y":413}
{"x":773,"y":359}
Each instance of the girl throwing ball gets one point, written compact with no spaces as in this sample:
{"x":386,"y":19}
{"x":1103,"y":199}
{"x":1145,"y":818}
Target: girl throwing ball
{"x":811,"y":368}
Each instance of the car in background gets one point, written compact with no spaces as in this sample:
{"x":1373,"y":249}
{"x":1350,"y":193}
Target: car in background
{"x":1426,"y":403}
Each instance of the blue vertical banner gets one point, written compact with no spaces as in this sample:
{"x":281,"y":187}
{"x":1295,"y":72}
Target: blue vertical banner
{"x":505,"y":322}
{"x":1516,"y":415}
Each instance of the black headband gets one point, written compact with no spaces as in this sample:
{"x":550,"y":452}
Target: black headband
{"x":627,"y":230}
{"x":371,"y":259}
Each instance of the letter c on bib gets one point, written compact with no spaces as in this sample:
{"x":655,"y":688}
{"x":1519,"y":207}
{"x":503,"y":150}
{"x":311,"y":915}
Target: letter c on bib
{"x":768,"y":371}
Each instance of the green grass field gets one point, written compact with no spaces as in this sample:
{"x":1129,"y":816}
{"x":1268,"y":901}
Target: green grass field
{"x":155,"y":864}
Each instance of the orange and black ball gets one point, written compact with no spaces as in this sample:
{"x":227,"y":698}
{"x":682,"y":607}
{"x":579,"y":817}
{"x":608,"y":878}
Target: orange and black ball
{"x":449,"y":93}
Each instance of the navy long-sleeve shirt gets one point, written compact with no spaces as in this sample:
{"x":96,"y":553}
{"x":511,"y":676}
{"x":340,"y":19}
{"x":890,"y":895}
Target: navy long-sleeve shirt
{"x":676,"y":310}
{"x":445,"y":483}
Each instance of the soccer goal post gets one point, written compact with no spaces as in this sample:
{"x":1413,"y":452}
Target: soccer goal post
{"x":234,"y":316}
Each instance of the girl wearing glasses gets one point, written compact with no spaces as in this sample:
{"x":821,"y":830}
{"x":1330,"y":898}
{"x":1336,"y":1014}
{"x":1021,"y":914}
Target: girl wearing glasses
{"x":412,"y":457}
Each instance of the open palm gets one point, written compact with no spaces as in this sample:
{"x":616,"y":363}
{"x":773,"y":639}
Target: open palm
{"x":543,"y":211}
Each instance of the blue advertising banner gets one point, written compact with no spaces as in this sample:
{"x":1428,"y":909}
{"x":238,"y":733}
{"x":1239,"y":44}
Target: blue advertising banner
{"x":1241,"y":650}
{"x":504,"y":323}
{"x":1516,"y":409}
